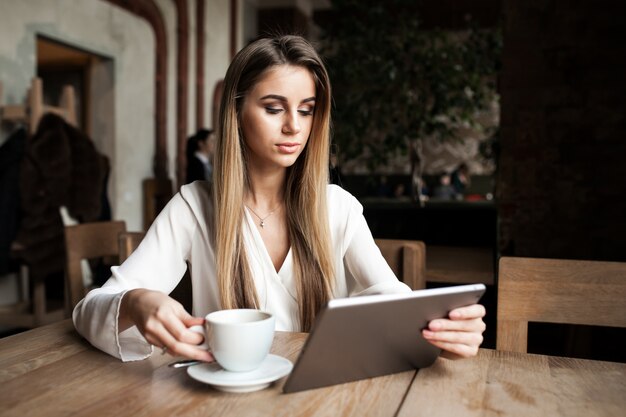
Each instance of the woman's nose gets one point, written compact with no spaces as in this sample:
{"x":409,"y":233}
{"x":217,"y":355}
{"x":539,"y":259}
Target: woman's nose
{"x":292,"y":124}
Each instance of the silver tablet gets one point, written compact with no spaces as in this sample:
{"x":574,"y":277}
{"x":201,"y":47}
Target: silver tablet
{"x":363,"y":337}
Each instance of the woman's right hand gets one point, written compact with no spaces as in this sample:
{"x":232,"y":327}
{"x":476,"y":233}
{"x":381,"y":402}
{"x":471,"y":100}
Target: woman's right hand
{"x":163,"y":322}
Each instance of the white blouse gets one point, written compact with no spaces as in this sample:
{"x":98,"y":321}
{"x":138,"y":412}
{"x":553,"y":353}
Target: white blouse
{"x":181,"y":234}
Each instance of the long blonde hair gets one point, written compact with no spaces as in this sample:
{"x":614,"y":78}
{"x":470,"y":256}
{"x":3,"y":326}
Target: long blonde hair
{"x":305,"y":192}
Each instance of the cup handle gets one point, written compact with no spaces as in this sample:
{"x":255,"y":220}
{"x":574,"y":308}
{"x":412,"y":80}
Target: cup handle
{"x":200,"y":330}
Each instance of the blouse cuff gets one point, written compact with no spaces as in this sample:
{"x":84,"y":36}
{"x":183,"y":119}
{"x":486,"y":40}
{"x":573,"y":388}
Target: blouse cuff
{"x":131,"y":345}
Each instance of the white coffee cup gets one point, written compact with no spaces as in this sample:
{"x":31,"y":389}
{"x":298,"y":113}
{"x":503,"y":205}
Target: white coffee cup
{"x":239,"y":339}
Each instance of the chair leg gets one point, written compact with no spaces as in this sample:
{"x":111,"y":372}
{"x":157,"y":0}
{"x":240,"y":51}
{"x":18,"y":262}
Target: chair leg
{"x":39,"y":300}
{"x":22,"y":284}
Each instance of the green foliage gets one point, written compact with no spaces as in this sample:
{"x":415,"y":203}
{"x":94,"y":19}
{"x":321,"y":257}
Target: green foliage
{"x":395,"y":82}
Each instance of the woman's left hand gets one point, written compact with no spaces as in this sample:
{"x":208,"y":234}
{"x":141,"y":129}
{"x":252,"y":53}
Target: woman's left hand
{"x":460,"y":334}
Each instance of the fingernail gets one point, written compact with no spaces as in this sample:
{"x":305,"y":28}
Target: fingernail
{"x":428,"y":334}
{"x":455,"y":315}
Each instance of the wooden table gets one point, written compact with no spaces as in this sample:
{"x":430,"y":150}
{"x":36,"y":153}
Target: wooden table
{"x":51,"y":371}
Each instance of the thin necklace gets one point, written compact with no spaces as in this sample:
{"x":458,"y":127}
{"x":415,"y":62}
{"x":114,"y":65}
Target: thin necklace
{"x":262,"y":219}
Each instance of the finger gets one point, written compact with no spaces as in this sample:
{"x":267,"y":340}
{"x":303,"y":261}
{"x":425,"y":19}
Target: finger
{"x":190,"y":351}
{"x":154,"y":341}
{"x":473,"y":325}
{"x":176,"y":327}
{"x":159,"y":336}
{"x":468,"y":312}
{"x":463,"y":351}
{"x":466,"y":338}
{"x":190,"y":320}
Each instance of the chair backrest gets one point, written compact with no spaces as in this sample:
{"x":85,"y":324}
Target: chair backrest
{"x":128,"y":242}
{"x":156,"y":193}
{"x":407,"y":259}
{"x":88,"y":241}
{"x":557,"y":291}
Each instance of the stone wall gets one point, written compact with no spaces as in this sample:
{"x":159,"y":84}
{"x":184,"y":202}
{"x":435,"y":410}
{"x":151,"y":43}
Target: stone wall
{"x":561,"y":185}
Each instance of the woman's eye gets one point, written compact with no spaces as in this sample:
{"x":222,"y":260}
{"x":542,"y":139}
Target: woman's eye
{"x":306,"y":112}
{"x":273,"y":110}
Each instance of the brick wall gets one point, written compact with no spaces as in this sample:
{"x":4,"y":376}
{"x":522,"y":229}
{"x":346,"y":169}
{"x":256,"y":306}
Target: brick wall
{"x":561,"y":185}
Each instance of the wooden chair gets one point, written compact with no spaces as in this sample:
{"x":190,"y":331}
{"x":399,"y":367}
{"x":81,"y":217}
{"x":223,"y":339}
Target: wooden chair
{"x":156,"y":193}
{"x":31,"y":309}
{"x":128,"y":242}
{"x":32,"y":312}
{"x":88,"y":241}
{"x":35,"y":108}
{"x":407,"y":259}
{"x":557,"y":291}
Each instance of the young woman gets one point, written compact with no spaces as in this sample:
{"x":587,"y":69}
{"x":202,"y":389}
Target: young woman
{"x":269,"y":233}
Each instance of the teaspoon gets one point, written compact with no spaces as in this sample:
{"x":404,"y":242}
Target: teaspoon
{"x":185,"y":363}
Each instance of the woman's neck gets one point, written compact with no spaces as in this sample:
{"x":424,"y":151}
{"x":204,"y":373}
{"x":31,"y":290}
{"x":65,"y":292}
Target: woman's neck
{"x":266,"y":190}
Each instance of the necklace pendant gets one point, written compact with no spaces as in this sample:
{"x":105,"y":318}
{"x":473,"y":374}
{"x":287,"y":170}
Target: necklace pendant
{"x":262,"y":224}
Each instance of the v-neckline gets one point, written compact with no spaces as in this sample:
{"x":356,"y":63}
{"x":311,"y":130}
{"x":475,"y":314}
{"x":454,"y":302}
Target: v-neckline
{"x":261,"y":242}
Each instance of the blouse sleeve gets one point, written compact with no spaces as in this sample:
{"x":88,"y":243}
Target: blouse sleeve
{"x":363,"y":260}
{"x":157,"y":264}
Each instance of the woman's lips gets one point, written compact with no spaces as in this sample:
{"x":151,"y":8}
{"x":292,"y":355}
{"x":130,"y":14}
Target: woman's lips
{"x":288,"y":147}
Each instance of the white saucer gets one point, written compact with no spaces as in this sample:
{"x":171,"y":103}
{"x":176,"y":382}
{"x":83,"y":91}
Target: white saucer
{"x":272,"y":369}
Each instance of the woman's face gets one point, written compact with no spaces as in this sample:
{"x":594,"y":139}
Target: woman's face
{"x":277,"y":115}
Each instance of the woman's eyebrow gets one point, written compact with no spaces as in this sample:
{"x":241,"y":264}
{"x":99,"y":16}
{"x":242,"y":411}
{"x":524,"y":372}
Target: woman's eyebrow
{"x":275,"y":97}
{"x":284,"y":99}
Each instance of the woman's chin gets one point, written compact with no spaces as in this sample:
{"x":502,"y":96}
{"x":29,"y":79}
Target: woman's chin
{"x":286,"y":161}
